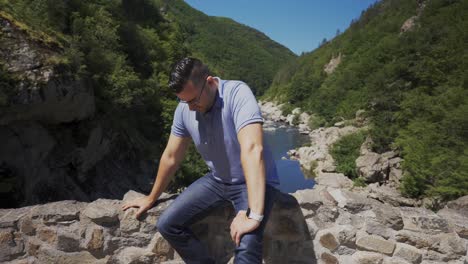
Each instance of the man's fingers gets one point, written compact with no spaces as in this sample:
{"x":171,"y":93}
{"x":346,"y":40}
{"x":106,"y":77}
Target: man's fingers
{"x":128,"y":204}
{"x":139,"y":212}
{"x":238,"y":235}
{"x":233,"y":234}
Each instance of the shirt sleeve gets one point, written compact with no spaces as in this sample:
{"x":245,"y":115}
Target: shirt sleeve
{"x":245,"y":108}
{"x":178,"y":127}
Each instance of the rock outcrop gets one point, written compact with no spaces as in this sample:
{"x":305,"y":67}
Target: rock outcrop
{"x":411,"y":22}
{"x":330,"y":67}
{"x":53,"y":145}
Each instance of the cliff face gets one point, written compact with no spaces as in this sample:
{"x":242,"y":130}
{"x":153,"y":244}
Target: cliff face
{"x":54,"y":147}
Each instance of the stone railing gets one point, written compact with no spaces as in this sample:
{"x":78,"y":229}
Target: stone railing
{"x":321,"y":225}
{"x":100,"y":232}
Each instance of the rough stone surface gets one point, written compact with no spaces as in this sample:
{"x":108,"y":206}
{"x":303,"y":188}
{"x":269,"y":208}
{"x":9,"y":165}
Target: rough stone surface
{"x":328,"y":258}
{"x":335,"y":180}
{"x":421,"y":219}
{"x":376,"y":244}
{"x":408,"y":253}
{"x":364,"y":257}
{"x":329,"y":241}
{"x":102,"y":211}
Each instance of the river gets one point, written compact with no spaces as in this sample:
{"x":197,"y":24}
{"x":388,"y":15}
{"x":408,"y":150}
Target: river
{"x":281,"y":139}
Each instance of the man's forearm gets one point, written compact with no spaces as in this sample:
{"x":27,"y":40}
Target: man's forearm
{"x":254,"y":171}
{"x":167,"y":168}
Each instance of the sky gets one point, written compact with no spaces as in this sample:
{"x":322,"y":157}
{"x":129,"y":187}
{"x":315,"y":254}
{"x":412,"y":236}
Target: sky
{"x":299,"y":25}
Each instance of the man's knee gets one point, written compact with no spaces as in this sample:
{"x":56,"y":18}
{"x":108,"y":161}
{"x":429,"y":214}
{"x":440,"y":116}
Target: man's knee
{"x":250,"y":249}
{"x":164,"y":225}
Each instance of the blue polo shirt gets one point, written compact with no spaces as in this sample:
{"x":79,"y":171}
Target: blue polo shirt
{"x":215,"y":132}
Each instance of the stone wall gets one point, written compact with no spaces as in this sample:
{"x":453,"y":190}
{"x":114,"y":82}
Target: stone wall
{"x":100,"y":232}
{"x":320,"y":225}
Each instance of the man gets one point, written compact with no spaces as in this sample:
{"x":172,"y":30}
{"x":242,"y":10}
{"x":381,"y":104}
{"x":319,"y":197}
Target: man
{"x":224,"y":121}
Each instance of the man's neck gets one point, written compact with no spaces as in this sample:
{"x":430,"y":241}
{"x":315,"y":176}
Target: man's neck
{"x":214,"y":90}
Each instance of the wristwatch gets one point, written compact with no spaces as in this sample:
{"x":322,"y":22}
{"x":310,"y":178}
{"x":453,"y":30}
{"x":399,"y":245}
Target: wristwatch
{"x":253,"y":215}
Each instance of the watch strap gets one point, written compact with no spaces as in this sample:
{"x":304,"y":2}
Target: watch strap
{"x":253,"y":215}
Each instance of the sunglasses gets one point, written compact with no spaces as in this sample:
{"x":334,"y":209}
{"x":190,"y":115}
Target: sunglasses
{"x":195,"y":100}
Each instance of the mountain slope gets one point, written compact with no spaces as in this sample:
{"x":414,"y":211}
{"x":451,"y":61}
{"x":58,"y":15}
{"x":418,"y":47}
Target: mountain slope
{"x":233,"y":50}
{"x":405,"y":62}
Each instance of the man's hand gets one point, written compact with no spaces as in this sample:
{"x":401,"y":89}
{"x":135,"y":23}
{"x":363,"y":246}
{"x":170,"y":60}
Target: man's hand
{"x":143,"y":203}
{"x":241,"y":225}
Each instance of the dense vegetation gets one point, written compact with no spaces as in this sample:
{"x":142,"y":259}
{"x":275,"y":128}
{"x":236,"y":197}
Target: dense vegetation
{"x":125,"y":48}
{"x":234,"y":51}
{"x":345,"y":152}
{"x":414,"y":86}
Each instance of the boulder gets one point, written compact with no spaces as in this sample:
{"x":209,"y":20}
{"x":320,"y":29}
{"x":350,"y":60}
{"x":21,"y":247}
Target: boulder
{"x":11,"y":244}
{"x":451,"y":244}
{"x":460,"y":205}
{"x":373,"y":167}
{"x":421,"y":219}
{"x":375,"y":228}
{"x":417,"y":239}
{"x":389,"y":195}
{"x":47,"y":254}
{"x":388,"y":216}
{"x":132,"y":255}
{"x":364,"y":257}
{"x":334,"y":180}
{"x":68,"y":239}
{"x":353,"y":202}
{"x":11,"y":217}
{"x":408,"y":253}
{"x":328,"y":258}
{"x":376,"y":244}
{"x":457,"y":221}
{"x":103,"y":211}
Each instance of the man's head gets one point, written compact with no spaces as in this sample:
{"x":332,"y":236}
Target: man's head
{"x":193,"y":84}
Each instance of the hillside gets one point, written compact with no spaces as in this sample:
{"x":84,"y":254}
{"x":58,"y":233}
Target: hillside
{"x":404,"y":63}
{"x":233,"y":50}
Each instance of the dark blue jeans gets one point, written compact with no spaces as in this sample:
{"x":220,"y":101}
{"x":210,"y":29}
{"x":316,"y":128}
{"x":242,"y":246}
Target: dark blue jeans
{"x":202,"y":195}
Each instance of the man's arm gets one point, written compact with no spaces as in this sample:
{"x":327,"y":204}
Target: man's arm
{"x":251,"y":142}
{"x":168,"y":165}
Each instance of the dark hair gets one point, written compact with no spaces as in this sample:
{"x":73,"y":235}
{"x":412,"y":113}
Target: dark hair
{"x":187,"y":69}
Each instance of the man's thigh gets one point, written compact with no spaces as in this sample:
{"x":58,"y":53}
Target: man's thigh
{"x":239,"y":198}
{"x":198,"y":198}
{"x":251,"y":244}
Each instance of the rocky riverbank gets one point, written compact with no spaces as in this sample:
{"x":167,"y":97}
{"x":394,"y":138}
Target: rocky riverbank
{"x":359,"y":210}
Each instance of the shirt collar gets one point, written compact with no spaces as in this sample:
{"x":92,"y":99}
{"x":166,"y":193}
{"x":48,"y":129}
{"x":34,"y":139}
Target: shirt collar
{"x":219,"y":94}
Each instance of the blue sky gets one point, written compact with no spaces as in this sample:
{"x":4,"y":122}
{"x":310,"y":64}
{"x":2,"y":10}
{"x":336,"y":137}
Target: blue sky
{"x":297,"y":24}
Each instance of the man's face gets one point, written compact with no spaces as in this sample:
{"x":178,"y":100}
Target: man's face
{"x":195,"y":96}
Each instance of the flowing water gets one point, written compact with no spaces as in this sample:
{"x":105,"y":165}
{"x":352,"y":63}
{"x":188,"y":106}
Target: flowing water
{"x":281,"y":139}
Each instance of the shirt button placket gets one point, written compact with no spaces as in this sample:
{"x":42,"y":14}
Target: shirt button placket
{"x":209,"y":128}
